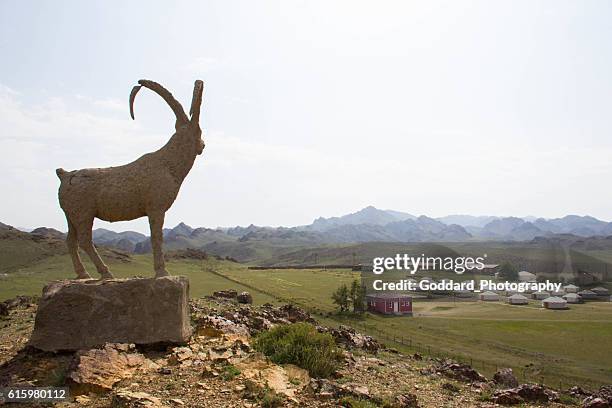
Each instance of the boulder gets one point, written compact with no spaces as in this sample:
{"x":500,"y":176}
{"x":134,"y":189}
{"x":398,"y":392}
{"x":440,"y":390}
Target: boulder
{"x":84,"y":314}
{"x":352,"y":339}
{"x":505,"y":377}
{"x":245,"y":298}
{"x":533,"y":393}
{"x":507,"y":397}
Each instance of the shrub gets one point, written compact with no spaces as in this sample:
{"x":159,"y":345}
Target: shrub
{"x":302,"y":345}
{"x":229,"y":372}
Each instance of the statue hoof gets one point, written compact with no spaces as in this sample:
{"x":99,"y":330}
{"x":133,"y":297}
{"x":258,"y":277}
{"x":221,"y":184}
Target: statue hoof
{"x":83,"y":275}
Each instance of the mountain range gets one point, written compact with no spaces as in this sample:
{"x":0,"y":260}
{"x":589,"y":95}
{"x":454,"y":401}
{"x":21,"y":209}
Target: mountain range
{"x":366,"y":225}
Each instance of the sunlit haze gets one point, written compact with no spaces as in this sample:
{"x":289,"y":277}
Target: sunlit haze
{"x":316,"y":108}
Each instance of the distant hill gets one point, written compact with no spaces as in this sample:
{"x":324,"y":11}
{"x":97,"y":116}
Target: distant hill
{"x":467,"y":220}
{"x":369,"y":224}
{"x":19,"y":249}
{"x":125,"y":241}
{"x":369,"y":215}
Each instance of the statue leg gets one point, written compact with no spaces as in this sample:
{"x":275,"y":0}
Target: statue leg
{"x":73,"y":250}
{"x":86,"y":242}
{"x":156,"y":222}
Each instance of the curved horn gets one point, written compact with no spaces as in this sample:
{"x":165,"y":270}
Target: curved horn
{"x":132,"y":97}
{"x":196,"y":101}
{"x":181,"y":117}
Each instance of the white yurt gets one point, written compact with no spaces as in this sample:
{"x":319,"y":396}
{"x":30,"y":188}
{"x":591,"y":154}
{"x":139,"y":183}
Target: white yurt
{"x":587,"y":294}
{"x":571,"y":288}
{"x":489,"y":296}
{"x":525,"y":276}
{"x":572,"y":298}
{"x":554,"y":303}
{"x":518,"y":300}
{"x":601,"y":291}
{"x":540,"y":295}
{"x":558,"y":293}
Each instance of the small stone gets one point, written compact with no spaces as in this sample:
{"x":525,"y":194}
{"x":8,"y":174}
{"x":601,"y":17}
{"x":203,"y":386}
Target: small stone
{"x":82,"y":399}
{"x":129,"y":399}
{"x":506,"y":378}
{"x":245,"y":298}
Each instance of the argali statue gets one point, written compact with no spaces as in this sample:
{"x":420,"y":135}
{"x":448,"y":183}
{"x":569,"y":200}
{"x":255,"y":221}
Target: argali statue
{"x":146,"y":187}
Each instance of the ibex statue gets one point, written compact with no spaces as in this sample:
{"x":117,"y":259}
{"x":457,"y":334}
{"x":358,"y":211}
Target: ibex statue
{"x":145,"y":187}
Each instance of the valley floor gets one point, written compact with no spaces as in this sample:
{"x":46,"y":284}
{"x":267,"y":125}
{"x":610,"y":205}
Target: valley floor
{"x":556,"y":347}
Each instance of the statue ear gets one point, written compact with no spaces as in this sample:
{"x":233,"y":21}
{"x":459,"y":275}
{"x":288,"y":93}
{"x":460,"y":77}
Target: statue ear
{"x":196,"y":101}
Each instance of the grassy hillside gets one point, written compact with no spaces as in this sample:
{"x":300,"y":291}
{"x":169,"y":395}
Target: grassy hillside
{"x":19,"y":249}
{"x":570,"y":345}
{"x":538,"y":342}
{"x":359,"y":253}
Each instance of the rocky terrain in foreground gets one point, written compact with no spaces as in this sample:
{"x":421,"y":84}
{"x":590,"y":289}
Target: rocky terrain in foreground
{"x":219,"y":368}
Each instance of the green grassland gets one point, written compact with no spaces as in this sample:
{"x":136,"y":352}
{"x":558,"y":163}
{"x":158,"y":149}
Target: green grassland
{"x":570,"y":346}
{"x":31,"y":279}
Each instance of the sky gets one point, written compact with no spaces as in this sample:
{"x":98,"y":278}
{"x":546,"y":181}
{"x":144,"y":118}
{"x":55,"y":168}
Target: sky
{"x":315,"y":108}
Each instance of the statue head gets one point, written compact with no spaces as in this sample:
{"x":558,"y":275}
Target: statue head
{"x":188,"y":130}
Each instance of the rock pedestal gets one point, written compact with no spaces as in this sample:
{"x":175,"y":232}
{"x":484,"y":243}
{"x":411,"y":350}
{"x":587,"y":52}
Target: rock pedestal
{"x":82,"y":314}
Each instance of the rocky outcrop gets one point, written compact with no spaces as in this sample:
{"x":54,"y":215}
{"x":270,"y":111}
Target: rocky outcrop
{"x":253,"y":320}
{"x":600,"y":399}
{"x":348,"y":337}
{"x":505,"y":377}
{"x":525,"y":393}
{"x":459,"y":371}
{"x":225,"y":294}
{"x":76,"y":315}
{"x":97,"y":370}
{"x":245,"y":298}
{"x":14,"y":303}
{"x":260,"y":373}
